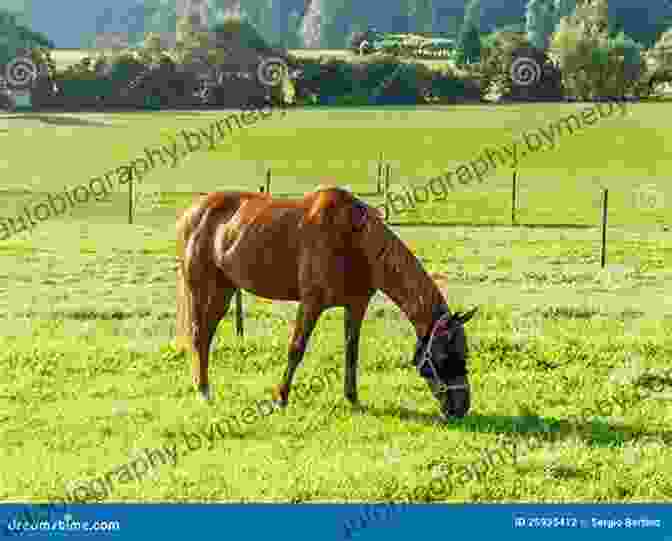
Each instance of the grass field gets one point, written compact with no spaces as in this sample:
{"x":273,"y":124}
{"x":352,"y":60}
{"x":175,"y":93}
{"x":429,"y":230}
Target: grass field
{"x":90,"y":379}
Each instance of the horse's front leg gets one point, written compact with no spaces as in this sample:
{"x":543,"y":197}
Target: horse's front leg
{"x":306,"y":319}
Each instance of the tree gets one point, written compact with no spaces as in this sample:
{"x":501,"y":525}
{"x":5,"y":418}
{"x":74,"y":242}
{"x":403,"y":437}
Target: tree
{"x":188,"y":41}
{"x":498,"y":53}
{"x":422,"y":16}
{"x":469,"y":43}
{"x":336,"y":20}
{"x":292,"y":39}
{"x":661,"y":53}
{"x":660,"y":69}
{"x":472,"y":16}
{"x":540,"y":22}
{"x":238,"y":32}
{"x":594,"y":14}
{"x":593,"y":63}
{"x":161,"y":17}
{"x":564,"y":8}
{"x":269,"y":19}
{"x":628,"y":56}
{"x":15,"y":36}
{"x":275,"y":23}
{"x":311,"y":27}
{"x":471,"y":46}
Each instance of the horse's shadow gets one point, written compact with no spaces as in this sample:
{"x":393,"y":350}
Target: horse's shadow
{"x":595,"y":433}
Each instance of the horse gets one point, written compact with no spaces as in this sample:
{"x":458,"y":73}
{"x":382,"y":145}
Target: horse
{"x":328,"y":249}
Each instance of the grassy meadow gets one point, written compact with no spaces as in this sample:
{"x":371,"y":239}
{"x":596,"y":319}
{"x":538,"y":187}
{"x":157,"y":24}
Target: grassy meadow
{"x":90,"y":377}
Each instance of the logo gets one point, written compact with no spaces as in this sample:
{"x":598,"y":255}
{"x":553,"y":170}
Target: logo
{"x":525,"y":71}
{"x":272,"y":71}
{"x":20,"y":73}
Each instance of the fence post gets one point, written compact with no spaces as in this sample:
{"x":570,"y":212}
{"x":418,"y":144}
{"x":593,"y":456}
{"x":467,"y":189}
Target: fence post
{"x":268,"y":181}
{"x":386,"y":192}
{"x":513,"y":198}
{"x":379,"y":174}
{"x":130,"y":200}
{"x":605,"y":203}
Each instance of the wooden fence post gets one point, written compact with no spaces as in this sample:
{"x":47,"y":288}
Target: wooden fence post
{"x":386,"y":192}
{"x":605,"y":205}
{"x":513,"y":198}
{"x":130,"y":200}
{"x":379,"y":174}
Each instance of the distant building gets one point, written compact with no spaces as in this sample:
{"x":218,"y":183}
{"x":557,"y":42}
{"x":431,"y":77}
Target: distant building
{"x":22,"y":9}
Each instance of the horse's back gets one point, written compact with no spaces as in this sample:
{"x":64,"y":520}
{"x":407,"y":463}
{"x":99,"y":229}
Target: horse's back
{"x":256,"y":242}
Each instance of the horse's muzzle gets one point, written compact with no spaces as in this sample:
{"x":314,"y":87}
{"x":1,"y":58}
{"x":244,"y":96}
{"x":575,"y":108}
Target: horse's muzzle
{"x":454,"y":396}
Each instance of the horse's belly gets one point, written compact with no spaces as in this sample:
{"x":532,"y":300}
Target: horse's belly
{"x":261,"y":261}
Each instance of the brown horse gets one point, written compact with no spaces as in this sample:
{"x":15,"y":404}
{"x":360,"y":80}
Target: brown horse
{"x":328,"y":249}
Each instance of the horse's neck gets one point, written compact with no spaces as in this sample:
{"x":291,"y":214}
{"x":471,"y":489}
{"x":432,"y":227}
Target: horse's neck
{"x":414,"y":292}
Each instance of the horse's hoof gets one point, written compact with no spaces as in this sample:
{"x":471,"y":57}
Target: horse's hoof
{"x":280,"y":396}
{"x":204,"y":393}
{"x":356,"y":407}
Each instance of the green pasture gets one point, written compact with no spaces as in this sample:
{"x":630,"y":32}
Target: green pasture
{"x":90,"y":378}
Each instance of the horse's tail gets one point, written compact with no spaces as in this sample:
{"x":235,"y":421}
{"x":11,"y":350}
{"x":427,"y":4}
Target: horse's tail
{"x":186,"y":224}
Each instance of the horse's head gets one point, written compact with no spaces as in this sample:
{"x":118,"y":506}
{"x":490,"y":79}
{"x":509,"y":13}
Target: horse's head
{"x":441,"y":359}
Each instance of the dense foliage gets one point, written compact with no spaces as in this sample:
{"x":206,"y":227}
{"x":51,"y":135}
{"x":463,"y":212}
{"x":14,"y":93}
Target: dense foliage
{"x":580,"y":58}
{"x":15,"y":37}
{"x":279,"y":21}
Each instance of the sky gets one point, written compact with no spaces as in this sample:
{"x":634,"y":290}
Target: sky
{"x":57,"y":18}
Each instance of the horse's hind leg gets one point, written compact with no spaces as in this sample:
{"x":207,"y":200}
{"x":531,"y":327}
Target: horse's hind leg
{"x":210,"y":303}
{"x":354,"y":314}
